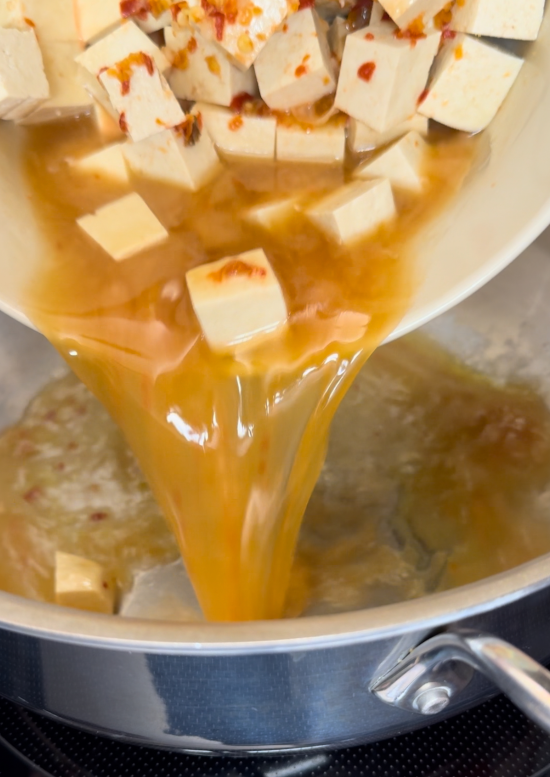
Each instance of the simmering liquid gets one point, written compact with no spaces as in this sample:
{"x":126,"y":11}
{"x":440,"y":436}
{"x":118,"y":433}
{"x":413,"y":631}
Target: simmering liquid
{"x":231,"y":445}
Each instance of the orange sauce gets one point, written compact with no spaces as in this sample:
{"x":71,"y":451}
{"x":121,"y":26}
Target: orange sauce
{"x":231,"y":445}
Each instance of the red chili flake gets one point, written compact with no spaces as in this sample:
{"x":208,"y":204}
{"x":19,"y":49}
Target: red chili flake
{"x":192,"y":45}
{"x":124,"y":69}
{"x":219,"y":24}
{"x":236,"y":268}
{"x":122,"y":123}
{"x":235,"y":123}
{"x":72,"y":446}
{"x":29,"y":21}
{"x":99,"y":516}
{"x":60,"y":466}
{"x":448,"y":34}
{"x":285,"y":27}
{"x":300,"y":71}
{"x":105,"y":585}
{"x":306,"y":4}
{"x":136,"y":8}
{"x":33,"y":494}
{"x":218,"y":18}
{"x":422,"y":97}
{"x":369,"y":36}
{"x":366,"y":71}
{"x":237,"y":103}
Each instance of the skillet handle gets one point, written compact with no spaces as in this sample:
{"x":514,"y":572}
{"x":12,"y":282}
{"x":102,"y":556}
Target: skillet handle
{"x":426,"y":680}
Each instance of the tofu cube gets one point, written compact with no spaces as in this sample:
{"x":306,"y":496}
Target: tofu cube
{"x":97,"y":93}
{"x":469,"y":83}
{"x":402,"y":164}
{"x":239,"y":134}
{"x":354,"y":210}
{"x":268,"y":215}
{"x":53,"y":21}
{"x":141,"y":97}
{"x":124,"y":227}
{"x":376,"y":14}
{"x":245,"y":36}
{"x":363,"y":138}
{"x":107,"y":125}
{"x":499,"y":18}
{"x":107,"y":163}
{"x":295,"y":66}
{"x":382,"y":76}
{"x":236,"y":299}
{"x":22,"y":76}
{"x":325,"y":144}
{"x":175,"y":156}
{"x":128,"y":39}
{"x":96,"y":18}
{"x":67,"y":96}
{"x":149,"y":16}
{"x":12,"y":14}
{"x":201,"y":69}
{"x":83,"y":584}
{"x":405,"y":12}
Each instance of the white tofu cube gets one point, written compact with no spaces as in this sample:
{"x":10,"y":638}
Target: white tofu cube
{"x":402,"y":164}
{"x":382,"y":76}
{"x":96,"y":18}
{"x":201,"y":69}
{"x":107,"y":163}
{"x":245,"y":36}
{"x":128,"y":39}
{"x":406,"y":12}
{"x":175,"y":157}
{"x":354,"y":210}
{"x":325,"y":143}
{"x":67,"y":97}
{"x":363,"y":138}
{"x":236,"y":299}
{"x":53,"y":20}
{"x":124,"y":227}
{"x":499,"y":18}
{"x":377,"y":14}
{"x":239,"y":134}
{"x":22,"y":75}
{"x":83,"y":584}
{"x":150,"y":16}
{"x":13,"y":14}
{"x":469,"y":83}
{"x":141,"y":97}
{"x":295,"y":66}
{"x":268,"y":215}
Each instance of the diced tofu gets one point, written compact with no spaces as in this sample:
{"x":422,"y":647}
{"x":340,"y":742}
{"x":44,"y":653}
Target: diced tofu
{"x":108,"y":163}
{"x":402,"y":164}
{"x":22,"y":75}
{"x":469,"y":83}
{"x":201,"y":69}
{"x":377,"y":14}
{"x":363,"y":138}
{"x":126,"y":40}
{"x":53,"y":20}
{"x":382,"y":76}
{"x":325,"y":143}
{"x":83,"y":584}
{"x":106,"y":124}
{"x":12,"y":14}
{"x":124,"y":227}
{"x":236,"y":298}
{"x":67,"y":97}
{"x":295,"y":67}
{"x":96,"y":18}
{"x":238,"y":134}
{"x":337,"y":34}
{"x":153,"y":20}
{"x":141,"y":97}
{"x":499,"y":18}
{"x":245,"y":37}
{"x":269,"y":214}
{"x":354,"y":210}
{"x":175,"y":157}
{"x":405,"y":12}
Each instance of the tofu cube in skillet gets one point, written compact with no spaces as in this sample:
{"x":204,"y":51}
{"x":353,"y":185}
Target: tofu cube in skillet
{"x":141,"y":97}
{"x":12,"y":14}
{"x":201,"y":69}
{"x":83,"y":584}
{"x":22,"y":77}
{"x":354,"y":210}
{"x":499,"y":18}
{"x":402,"y":163}
{"x":325,"y":144}
{"x":126,"y":40}
{"x":149,"y":15}
{"x":96,"y":18}
{"x":124,"y":227}
{"x":239,"y":134}
{"x":184,"y":156}
{"x":469,"y":83}
{"x":363,"y":138}
{"x":236,"y":299}
{"x":268,"y":215}
{"x":295,"y":66}
{"x":383,"y":76}
{"x":107,"y":163}
{"x":406,"y":12}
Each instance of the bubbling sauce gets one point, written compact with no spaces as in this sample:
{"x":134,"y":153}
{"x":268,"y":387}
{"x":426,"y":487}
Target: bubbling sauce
{"x":231,"y":444}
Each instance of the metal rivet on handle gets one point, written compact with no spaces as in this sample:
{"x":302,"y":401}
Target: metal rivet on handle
{"x":431,"y":698}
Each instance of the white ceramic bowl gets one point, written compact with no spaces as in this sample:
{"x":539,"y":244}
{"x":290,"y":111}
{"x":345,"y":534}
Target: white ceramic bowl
{"x":503,"y":207}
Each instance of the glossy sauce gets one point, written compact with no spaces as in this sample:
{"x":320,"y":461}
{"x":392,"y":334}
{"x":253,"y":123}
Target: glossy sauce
{"x":231,"y":445}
